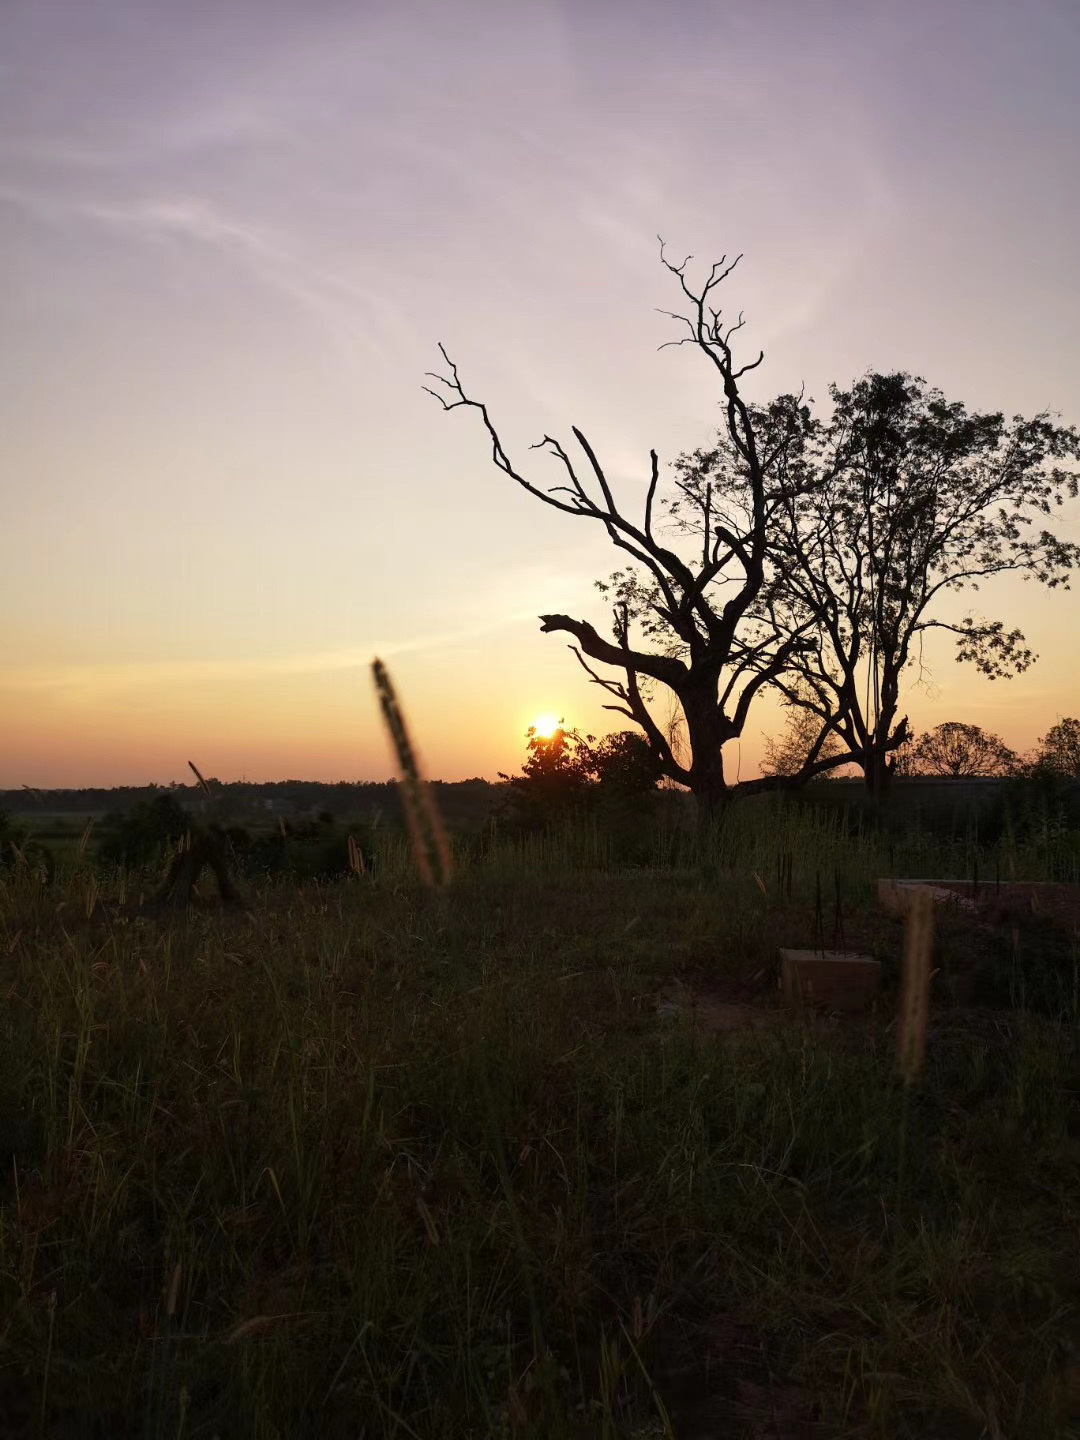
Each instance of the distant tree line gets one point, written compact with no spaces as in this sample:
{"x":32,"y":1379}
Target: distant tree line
{"x":953,"y":749}
{"x":469,"y":801}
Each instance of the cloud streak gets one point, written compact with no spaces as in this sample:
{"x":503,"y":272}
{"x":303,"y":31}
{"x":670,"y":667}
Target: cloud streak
{"x":333,"y":299}
{"x":152,"y":674}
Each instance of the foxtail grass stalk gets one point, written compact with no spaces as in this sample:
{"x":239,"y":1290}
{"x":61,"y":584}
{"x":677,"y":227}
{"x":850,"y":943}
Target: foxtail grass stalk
{"x":430,"y":845}
{"x":198,"y":776}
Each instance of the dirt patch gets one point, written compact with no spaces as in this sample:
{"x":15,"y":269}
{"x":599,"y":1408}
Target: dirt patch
{"x":1017,"y":900}
{"x":721,"y":1016}
{"x":735,"y":1386}
{"x":735,"y":1008}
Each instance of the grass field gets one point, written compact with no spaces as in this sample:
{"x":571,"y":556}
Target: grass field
{"x":374,"y":1161}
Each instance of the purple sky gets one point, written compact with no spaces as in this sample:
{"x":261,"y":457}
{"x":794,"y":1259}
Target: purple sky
{"x":232,"y":233}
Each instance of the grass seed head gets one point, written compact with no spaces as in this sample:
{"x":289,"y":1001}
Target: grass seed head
{"x":430,"y":845}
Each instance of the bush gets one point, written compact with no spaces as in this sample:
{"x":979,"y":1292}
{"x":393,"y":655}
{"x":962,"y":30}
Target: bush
{"x":305,"y":850}
{"x":567,"y":775}
{"x":146,"y":833}
{"x":18,"y":850}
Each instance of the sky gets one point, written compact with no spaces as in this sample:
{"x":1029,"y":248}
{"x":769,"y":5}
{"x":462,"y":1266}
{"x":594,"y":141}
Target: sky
{"x":232,"y":234}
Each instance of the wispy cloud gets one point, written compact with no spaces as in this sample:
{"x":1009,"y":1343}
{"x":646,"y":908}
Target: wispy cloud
{"x":355,"y":315}
{"x":149,"y":675}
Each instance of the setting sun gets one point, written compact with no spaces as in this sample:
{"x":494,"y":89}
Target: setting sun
{"x":545,"y":726}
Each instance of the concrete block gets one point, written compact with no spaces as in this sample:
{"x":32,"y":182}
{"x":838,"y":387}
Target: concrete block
{"x":895,"y":895}
{"x":829,"y":979}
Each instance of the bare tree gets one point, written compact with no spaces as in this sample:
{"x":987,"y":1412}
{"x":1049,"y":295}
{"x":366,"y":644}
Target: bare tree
{"x":686,"y":609}
{"x":956,"y":749}
{"x":916,"y":502}
{"x":804,"y":749}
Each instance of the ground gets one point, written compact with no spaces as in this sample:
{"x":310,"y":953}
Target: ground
{"x":537,"y":1156}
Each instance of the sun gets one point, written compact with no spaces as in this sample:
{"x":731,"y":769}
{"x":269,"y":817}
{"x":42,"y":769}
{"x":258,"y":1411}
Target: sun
{"x":545,"y":726}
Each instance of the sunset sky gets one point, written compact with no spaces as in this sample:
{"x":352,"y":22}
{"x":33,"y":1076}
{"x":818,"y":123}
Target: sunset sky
{"x":232,"y":233}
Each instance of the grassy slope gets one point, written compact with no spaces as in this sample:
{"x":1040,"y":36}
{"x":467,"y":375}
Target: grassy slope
{"x":374,"y":1162}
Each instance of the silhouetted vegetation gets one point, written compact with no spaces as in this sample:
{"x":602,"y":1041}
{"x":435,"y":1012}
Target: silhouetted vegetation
{"x":574,"y":780}
{"x":466,"y":804}
{"x":146,"y":832}
{"x":302,"y":849}
{"x":914,"y":500}
{"x":806,"y":556}
{"x":954,"y":748}
{"x":698,"y":607}
{"x":17,"y":848}
{"x":1058,"y":753}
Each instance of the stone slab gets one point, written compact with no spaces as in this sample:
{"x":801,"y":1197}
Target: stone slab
{"x":829,"y":979}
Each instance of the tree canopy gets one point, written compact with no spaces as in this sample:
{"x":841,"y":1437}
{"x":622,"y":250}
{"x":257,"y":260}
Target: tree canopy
{"x":910,"y":503}
{"x":569,"y":771}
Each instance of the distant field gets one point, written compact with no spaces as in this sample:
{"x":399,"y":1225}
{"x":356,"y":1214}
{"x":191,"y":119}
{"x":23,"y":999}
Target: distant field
{"x":66,"y":833}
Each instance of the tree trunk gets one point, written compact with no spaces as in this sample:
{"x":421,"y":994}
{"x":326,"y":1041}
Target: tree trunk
{"x":876,"y":774}
{"x":879,"y":769}
{"x":704,"y":732}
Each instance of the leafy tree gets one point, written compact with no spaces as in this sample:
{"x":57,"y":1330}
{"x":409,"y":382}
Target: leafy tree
{"x":624,"y":765}
{"x":956,"y":749}
{"x":1059,"y":750}
{"x":687,"y":613}
{"x":917,"y":502}
{"x":568,"y":773}
{"x":554,"y":777}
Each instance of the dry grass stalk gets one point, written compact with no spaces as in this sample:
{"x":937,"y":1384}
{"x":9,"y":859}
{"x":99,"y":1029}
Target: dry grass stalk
{"x":356,"y":857}
{"x":174,"y":1290}
{"x":430,"y":845}
{"x":256,"y":1324}
{"x":914,"y":1014}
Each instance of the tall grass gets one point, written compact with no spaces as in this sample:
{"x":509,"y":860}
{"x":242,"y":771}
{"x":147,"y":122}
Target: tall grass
{"x":385,"y":1161}
{"x":771,"y":837}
